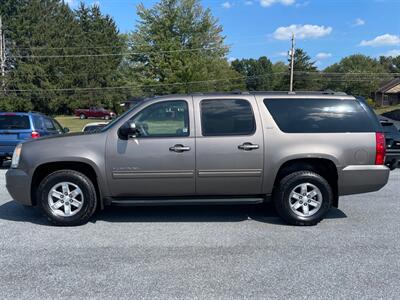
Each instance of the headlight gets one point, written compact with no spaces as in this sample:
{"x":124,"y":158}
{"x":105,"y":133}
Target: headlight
{"x":16,"y":156}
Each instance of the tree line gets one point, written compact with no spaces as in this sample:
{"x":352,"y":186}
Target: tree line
{"x":59,"y":58}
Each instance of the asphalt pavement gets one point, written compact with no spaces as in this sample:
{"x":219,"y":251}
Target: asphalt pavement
{"x":210,"y":252}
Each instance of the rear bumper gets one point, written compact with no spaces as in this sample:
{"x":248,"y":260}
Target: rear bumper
{"x":362,"y":179}
{"x":18,"y":185}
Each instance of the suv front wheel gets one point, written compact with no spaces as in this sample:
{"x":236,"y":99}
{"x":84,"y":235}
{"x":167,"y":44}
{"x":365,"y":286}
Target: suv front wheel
{"x":67,"y":198}
{"x":303,"y":198}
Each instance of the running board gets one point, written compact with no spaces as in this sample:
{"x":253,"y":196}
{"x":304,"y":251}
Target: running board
{"x":183,"y":201}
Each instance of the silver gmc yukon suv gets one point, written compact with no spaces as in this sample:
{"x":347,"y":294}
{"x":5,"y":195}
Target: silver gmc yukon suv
{"x":301,"y":150}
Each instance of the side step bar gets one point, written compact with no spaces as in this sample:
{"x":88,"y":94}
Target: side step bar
{"x":183,"y":201}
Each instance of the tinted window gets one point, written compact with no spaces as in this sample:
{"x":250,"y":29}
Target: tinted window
{"x":93,"y":128}
{"x":14,"y":122}
{"x":163,"y":119}
{"x":227,"y":117}
{"x":319,"y":116}
{"x":37,"y":122}
{"x":49,"y":124}
{"x":57,"y":126}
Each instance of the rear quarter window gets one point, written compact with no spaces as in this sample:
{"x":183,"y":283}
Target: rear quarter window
{"x":14,"y":122}
{"x":320,"y":116}
{"x":37,"y":122}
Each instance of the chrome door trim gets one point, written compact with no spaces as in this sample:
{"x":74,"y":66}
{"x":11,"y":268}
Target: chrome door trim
{"x":153,"y":174}
{"x":229,"y":173}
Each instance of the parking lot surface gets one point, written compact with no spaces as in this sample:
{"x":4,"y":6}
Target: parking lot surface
{"x":204,"y":252}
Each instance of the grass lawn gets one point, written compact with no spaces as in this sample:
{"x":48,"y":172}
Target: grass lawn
{"x":74,"y":123}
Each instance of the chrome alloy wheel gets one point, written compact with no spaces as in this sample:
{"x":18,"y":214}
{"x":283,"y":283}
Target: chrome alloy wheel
{"x":65,"y":199}
{"x":305,"y":200}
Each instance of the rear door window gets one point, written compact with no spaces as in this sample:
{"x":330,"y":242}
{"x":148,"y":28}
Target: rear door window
{"x":320,"y":115}
{"x":227,"y":117}
{"x":14,"y":122}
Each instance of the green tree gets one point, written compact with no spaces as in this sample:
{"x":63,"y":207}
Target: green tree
{"x":99,"y":37}
{"x":303,"y":66}
{"x":280,"y":71}
{"x":390,"y":63}
{"x":258,"y":73}
{"x":53,"y":51}
{"x":176,"y":43}
{"x":356,"y":75}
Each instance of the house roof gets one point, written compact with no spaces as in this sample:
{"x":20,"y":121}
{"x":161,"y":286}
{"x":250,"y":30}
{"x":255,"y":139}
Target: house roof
{"x":391,"y":87}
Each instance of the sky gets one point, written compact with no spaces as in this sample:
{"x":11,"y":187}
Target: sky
{"x":327,"y":29}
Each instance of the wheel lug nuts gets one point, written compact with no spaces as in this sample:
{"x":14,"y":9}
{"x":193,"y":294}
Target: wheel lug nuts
{"x":301,"y":202}
{"x":309,"y":201}
{"x":305,"y":204}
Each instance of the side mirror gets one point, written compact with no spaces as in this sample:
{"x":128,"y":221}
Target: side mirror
{"x":128,"y":130}
{"x":66,"y":129}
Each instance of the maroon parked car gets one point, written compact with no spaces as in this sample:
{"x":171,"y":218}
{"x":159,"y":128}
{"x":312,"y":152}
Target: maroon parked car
{"x":95,"y":112}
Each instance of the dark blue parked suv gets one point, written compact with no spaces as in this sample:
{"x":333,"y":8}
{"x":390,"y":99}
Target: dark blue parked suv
{"x":19,"y":127}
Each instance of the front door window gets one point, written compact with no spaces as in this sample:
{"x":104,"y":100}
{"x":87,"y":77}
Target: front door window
{"x":163,"y":119}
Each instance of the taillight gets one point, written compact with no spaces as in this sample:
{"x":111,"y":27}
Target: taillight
{"x":35,"y":135}
{"x":380,"y":149}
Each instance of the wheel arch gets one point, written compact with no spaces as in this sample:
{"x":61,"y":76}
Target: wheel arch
{"x":322,"y":166}
{"x":46,"y":169}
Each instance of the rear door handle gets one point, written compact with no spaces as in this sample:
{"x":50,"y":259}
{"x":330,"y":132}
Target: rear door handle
{"x":179,"y":148}
{"x":248,"y":147}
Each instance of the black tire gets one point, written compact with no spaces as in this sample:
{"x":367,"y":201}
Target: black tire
{"x":89,"y":195}
{"x":287,"y":184}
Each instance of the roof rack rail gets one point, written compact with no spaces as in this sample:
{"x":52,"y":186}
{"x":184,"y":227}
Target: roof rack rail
{"x":35,"y":112}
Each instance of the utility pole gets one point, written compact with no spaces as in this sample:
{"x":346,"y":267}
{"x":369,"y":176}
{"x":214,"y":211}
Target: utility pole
{"x":2,"y":53}
{"x":292,"y":64}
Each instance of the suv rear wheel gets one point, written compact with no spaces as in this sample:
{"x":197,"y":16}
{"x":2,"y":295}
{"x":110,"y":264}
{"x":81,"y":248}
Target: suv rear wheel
{"x":303,"y":198}
{"x":67,"y":198}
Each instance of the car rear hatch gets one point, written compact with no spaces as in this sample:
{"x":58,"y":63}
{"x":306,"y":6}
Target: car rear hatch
{"x":14,"y":128}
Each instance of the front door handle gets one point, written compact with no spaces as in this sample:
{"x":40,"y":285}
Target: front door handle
{"x":248,"y":147}
{"x":179,"y":148}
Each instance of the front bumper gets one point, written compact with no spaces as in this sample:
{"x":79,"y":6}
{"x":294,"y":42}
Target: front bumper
{"x":360,"y":179}
{"x":18,"y":184}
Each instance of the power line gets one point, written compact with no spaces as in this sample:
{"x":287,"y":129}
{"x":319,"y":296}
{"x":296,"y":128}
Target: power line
{"x":76,"y":75}
{"x":144,"y":85}
{"x":115,"y":54}
{"x":168,"y":84}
